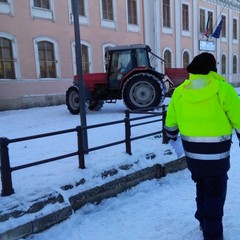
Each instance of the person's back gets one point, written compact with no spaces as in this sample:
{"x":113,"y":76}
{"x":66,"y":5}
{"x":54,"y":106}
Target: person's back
{"x":205,"y":109}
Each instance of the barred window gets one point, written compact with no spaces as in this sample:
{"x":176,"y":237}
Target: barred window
{"x":7,"y":70}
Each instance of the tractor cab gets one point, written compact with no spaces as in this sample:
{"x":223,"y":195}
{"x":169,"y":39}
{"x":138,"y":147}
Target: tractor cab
{"x":120,"y":61}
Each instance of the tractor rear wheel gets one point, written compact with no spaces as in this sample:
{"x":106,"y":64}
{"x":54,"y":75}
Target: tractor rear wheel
{"x":72,"y":100}
{"x":142,"y":91}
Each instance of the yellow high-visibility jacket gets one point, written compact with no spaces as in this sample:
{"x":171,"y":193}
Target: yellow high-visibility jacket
{"x":204,"y":109}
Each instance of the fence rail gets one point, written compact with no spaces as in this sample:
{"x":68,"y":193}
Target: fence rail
{"x":6,"y":169}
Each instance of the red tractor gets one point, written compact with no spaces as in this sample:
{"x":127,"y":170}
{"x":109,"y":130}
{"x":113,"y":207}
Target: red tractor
{"x":129,"y":76}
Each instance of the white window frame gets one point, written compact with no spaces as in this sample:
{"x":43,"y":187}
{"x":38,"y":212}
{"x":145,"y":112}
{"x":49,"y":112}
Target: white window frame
{"x":43,"y":13}
{"x":15,"y":54}
{"x":74,"y":64}
{"x":106,"y":23}
{"x":7,"y":8}
{"x":84,"y":20}
{"x":133,"y":27}
{"x":56,"y":54}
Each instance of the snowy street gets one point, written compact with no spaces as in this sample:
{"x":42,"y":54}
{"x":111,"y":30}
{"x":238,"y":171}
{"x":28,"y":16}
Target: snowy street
{"x":157,"y":209}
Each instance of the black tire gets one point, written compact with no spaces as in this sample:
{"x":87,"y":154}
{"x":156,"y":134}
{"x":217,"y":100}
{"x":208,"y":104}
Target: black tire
{"x":95,"y":105}
{"x":72,"y":100}
{"x":143,"y":91}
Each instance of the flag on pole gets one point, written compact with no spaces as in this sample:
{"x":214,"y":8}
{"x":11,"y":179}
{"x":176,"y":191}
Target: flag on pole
{"x":218,"y":30}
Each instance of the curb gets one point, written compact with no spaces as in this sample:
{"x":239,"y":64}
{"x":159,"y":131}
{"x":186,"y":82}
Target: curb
{"x":94,"y":195}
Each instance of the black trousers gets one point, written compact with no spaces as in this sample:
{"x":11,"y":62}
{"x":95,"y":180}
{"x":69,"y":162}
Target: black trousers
{"x":210,"y":199}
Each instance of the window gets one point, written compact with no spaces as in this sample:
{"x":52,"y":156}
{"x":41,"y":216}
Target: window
{"x":206,"y":23}
{"x":85,"y":58}
{"x":81,"y":7}
{"x":42,"y":4}
{"x":202,"y":21}
{"x":132,"y":12}
{"x":235,"y":28}
{"x":105,"y":56}
{"x":166,"y":14}
{"x":234,"y":64}
{"x":7,"y":69}
{"x":86,"y":53}
{"x":185,"y":17}
{"x":47,"y":60}
{"x":82,"y":11}
{"x":6,"y":7}
{"x":42,"y":9}
{"x":107,"y":9}
{"x":224,"y":26}
{"x":185,"y":59}
{"x":210,"y":23}
{"x":168,"y":59}
{"x":224,"y":67}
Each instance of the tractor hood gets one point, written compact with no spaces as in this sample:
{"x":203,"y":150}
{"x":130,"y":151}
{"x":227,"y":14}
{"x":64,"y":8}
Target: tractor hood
{"x":90,"y":79}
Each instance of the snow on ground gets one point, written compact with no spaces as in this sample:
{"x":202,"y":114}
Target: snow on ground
{"x":157,"y":209}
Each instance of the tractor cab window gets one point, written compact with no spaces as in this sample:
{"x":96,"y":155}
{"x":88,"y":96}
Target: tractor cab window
{"x":121,"y":64}
{"x":142,"y":58}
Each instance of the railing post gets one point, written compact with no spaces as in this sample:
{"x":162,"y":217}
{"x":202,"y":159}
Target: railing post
{"x":81,"y":158}
{"x":6,"y":172}
{"x":164,"y":113}
{"x":127,"y":133}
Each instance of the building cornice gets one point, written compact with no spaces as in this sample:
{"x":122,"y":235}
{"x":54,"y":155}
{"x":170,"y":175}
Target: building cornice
{"x":232,"y":4}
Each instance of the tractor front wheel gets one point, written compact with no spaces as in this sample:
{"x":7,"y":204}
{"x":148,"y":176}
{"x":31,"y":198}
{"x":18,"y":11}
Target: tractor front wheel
{"x":142,"y":91}
{"x":72,"y":100}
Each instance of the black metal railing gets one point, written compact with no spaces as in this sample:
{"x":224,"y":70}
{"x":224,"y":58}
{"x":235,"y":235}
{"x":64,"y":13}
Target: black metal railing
{"x":6,"y":169}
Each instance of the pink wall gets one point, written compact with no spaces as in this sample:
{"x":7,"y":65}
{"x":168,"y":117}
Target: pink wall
{"x":25,"y":30}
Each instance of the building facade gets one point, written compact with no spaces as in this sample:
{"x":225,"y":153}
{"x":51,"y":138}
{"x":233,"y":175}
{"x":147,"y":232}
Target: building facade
{"x":37,"y":42}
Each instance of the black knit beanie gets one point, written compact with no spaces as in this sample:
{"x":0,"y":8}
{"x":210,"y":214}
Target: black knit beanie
{"x":202,"y":64}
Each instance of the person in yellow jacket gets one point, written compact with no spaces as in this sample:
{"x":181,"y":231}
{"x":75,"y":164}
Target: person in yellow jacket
{"x":205,"y":109}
